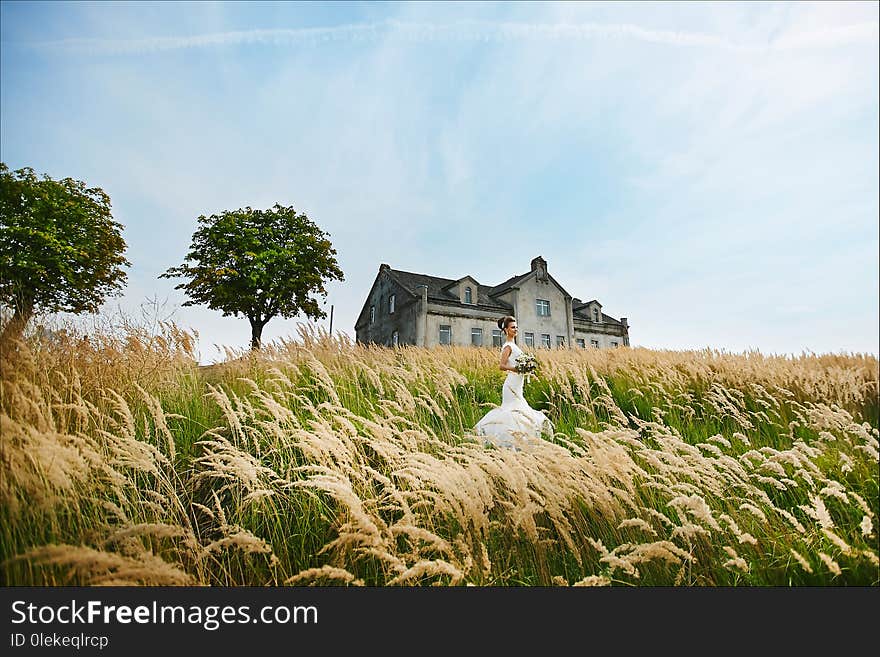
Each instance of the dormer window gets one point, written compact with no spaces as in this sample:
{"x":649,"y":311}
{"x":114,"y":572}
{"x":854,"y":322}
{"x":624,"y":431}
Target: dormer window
{"x":467,"y":295}
{"x":595,"y":314}
{"x":391,"y":304}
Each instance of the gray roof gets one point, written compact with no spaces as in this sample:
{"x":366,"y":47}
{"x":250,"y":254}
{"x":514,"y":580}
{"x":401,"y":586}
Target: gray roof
{"x":608,"y":319}
{"x":510,"y":282}
{"x":410,"y":281}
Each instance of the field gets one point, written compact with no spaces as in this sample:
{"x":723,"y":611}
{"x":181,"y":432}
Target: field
{"x":324,"y":462}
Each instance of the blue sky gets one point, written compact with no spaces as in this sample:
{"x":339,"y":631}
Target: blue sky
{"x":709,"y":171}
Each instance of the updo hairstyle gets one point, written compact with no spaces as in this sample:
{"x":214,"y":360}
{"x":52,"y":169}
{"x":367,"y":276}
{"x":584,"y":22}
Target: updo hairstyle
{"x":505,"y":321}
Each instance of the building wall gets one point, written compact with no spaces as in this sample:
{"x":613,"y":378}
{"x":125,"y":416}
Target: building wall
{"x":604,"y":333}
{"x":527,"y":318}
{"x":461,"y":320}
{"x":461,"y":323}
{"x":403,"y":320}
{"x":605,"y":339}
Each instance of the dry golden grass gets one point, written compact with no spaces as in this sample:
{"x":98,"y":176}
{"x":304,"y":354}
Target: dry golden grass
{"x":322,"y":461}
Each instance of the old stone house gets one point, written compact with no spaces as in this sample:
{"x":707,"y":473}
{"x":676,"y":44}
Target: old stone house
{"x":418,"y":309}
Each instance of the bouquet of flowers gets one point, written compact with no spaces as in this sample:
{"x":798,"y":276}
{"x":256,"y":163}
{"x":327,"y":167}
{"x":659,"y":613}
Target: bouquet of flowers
{"x":527,"y":365}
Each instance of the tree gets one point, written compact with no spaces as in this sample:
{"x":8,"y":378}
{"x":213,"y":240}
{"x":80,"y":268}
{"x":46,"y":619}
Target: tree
{"x":60,"y":249}
{"x":260,"y":263}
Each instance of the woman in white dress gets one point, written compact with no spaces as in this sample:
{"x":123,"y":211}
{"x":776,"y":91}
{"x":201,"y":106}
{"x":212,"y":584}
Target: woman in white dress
{"x":514,"y":419}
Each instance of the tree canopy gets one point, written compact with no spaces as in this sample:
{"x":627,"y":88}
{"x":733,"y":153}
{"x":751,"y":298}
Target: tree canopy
{"x":60,"y":249}
{"x":260,"y":264}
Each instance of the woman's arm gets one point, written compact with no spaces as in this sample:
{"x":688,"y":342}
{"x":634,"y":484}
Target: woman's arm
{"x":505,"y":354}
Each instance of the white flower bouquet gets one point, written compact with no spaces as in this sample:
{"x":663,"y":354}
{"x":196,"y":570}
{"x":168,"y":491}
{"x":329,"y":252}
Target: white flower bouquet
{"x":527,"y":365}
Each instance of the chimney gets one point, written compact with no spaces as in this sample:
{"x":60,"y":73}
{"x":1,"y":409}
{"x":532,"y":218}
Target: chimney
{"x":383,"y":267}
{"x":539,"y":265}
{"x":623,"y":321}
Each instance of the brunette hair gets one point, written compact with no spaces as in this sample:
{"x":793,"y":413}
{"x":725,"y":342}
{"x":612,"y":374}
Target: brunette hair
{"x":505,"y":321}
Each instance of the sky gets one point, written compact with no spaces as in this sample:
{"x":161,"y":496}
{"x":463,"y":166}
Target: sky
{"x":707,"y":170}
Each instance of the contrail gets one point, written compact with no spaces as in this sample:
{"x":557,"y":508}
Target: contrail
{"x":392,"y":30}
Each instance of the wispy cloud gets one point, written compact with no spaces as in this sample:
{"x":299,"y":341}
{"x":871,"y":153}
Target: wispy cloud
{"x":474,"y":31}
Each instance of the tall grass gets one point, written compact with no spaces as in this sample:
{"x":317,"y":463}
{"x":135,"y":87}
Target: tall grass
{"x":320,"y":461}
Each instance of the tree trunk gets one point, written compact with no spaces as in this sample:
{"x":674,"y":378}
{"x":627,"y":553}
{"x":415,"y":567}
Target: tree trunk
{"x":15,"y":326}
{"x":256,"y":334}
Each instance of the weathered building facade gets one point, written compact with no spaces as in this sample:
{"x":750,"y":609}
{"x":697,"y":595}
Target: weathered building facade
{"x":418,"y":309}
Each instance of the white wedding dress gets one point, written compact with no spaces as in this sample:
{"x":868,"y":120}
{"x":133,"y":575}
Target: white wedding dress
{"x":514,"y":419}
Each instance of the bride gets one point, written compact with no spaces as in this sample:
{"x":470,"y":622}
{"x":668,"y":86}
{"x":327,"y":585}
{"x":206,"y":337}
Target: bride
{"x":514,"y":419}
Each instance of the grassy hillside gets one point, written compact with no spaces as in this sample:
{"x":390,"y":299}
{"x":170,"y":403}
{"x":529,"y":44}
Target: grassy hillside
{"x":321,"y":461}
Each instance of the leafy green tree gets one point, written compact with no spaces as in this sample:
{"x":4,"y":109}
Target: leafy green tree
{"x":60,"y":249}
{"x":258,"y":263}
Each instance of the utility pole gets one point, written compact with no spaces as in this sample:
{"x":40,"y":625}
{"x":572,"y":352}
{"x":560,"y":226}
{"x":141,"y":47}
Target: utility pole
{"x":331,"y":319}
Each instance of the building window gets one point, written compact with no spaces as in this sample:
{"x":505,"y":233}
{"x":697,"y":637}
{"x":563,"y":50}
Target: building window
{"x":467,"y":295}
{"x":595,"y":314}
{"x":613,"y":343}
{"x":445,"y":334}
{"x":394,"y":339}
{"x":594,"y":343}
{"x":545,"y":340}
{"x":391,"y":304}
{"x":477,"y":337}
{"x":581,"y":343}
{"x":542,"y":307}
{"x":496,"y":338}
{"x":560,"y":341}
{"x":372,"y":314}
{"x":530,"y":340}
